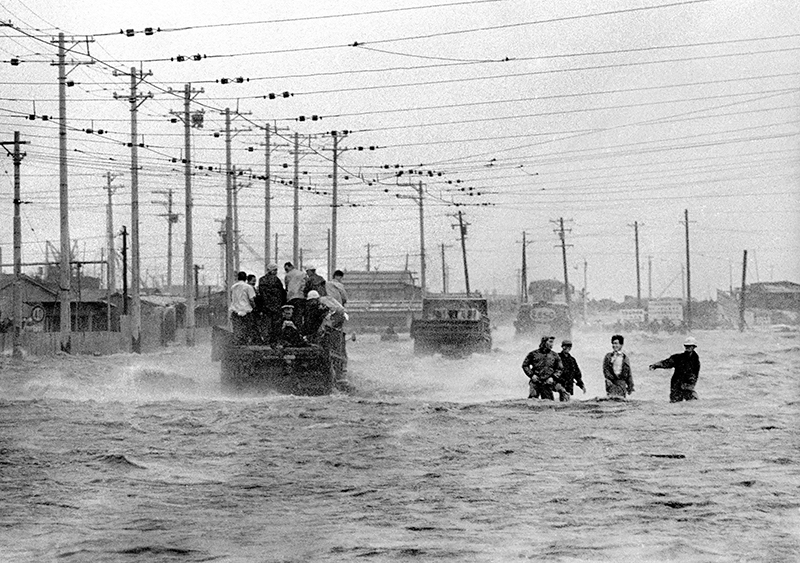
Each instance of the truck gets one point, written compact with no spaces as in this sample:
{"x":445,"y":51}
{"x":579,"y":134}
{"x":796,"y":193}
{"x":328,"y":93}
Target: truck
{"x":544,"y":318}
{"x":316,"y":369}
{"x":452,"y":325}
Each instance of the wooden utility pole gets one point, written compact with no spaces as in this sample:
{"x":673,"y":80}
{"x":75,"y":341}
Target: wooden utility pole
{"x":172,"y":218}
{"x":17,"y":157}
{"x":742,"y":301}
{"x":65,"y":270}
{"x":688,"y":275}
{"x":524,"y":272}
{"x":111,"y":275}
{"x":585,"y":291}
{"x":445,"y":288}
{"x":369,"y":256}
{"x":462,"y":228}
{"x":230,"y":274}
{"x":649,"y":278}
{"x":296,"y":207}
{"x":336,"y":135}
{"x":421,"y":203}
{"x":189,"y":121}
{"x":638,"y":269}
{"x":124,"y":270}
{"x":561,"y":235}
{"x":269,"y":146}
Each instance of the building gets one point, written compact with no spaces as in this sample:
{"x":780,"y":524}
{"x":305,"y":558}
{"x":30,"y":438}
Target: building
{"x":780,"y":296}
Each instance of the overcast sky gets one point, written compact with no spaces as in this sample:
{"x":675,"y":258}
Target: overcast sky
{"x":605,"y":114}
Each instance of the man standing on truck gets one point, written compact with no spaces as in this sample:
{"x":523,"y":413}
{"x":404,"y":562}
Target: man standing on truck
{"x":543,"y":367}
{"x":272,"y":296}
{"x":241,"y":309}
{"x":294,"y":280}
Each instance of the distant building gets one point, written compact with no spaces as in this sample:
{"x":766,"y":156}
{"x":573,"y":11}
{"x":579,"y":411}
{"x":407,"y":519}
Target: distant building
{"x":783,"y":295}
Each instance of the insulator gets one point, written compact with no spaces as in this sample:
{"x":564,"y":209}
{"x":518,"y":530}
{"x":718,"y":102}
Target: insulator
{"x":100,"y":131}
{"x":239,"y":80}
{"x":285,"y":94}
{"x":372,"y":147}
{"x":89,"y":131}
{"x":148,"y":31}
{"x":174,"y":120}
{"x":301,"y":118}
{"x":271,"y":96}
{"x":129,"y":32}
{"x":346,"y":132}
{"x":174,"y":159}
{"x":197,"y":57}
{"x":45,"y":118}
{"x":314,"y":118}
{"x":183,"y":161}
{"x":14,"y":62}
{"x":216,"y":134}
{"x":360,"y":148}
{"x":285,"y":165}
{"x":347,"y":177}
{"x":249,"y":149}
{"x":180,"y":58}
{"x":224,"y":81}
{"x":32,"y":117}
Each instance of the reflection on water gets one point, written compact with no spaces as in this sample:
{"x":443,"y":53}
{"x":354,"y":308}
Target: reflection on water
{"x":146,"y":459}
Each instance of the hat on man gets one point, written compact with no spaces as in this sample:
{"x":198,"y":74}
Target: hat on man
{"x":272,"y":266}
{"x":566,"y":343}
{"x":313,"y":294}
{"x":311,"y":268}
{"x":287,"y":306}
{"x":690,"y":341}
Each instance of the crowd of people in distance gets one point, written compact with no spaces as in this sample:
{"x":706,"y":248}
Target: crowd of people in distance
{"x":550,"y":372}
{"x":292,"y":312}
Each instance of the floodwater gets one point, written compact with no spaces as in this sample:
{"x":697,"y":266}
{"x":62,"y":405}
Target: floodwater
{"x":135,"y":458}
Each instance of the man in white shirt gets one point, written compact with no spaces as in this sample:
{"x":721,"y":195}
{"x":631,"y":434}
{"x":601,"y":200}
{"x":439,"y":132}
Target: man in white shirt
{"x":241,"y":310}
{"x":336,"y":288}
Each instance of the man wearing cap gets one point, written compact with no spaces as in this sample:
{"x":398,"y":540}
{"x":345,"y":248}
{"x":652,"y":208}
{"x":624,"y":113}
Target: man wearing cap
{"x":290,"y":335}
{"x":543,"y":368}
{"x":314,"y":314}
{"x":271,"y":297}
{"x":571,"y":375}
{"x":335,"y":288}
{"x":687,"y":370}
{"x":314,"y":282}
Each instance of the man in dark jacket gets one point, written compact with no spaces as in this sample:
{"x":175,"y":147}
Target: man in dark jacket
{"x":271,"y":297}
{"x":314,"y":282}
{"x":687,"y":370}
{"x":314,"y":314}
{"x":571,"y":375}
{"x":543,"y":367}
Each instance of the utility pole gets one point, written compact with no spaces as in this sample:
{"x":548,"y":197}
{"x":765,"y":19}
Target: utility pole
{"x":124,"y":270}
{"x":17,"y":157}
{"x":189,"y":121}
{"x":524,"y":273}
{"x":172,"y":218}
{"x":462,"y":229}
{"x":585,"y":291}
{"x":564,"y":245}
{"x":296,"y":207}
{"x":269,"y":146}
{"x":196,"y":288}
{"x":336,"y":136}
{"x":420,"y":202}
{"x":328,"y":254}
{"x":688,"y":275}
{"x":236,"y":253}
{"x":369,"y":256}
{"x":230,"y":274}
{"x":743,"y":293}
{"x":649,"y":279}
{"x":276,"y":247}
{"x":111,"y":278}
{"x":444,"y":270}
{"x":135,"y":101}
{"x":638,"y":270}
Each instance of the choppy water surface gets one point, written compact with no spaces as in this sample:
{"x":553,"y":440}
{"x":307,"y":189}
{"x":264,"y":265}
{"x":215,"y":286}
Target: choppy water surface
{"x":428,"y":459}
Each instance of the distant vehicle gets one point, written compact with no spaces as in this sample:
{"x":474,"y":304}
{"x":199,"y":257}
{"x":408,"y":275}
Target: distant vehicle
{"x":544,"y":319}
{"x":309,"y":370}
{"x":453,"y":325}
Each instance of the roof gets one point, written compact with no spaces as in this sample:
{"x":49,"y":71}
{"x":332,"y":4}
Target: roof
{"x":775,"y":287}
{"x":162,"y":300}
{"x":402,"y":277}
{"x":7,"y":279}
